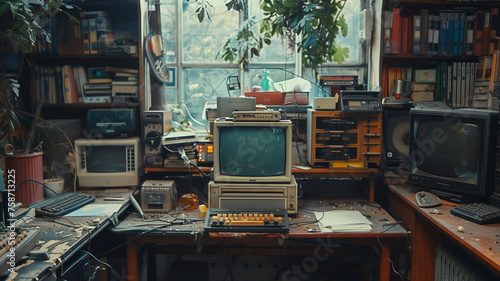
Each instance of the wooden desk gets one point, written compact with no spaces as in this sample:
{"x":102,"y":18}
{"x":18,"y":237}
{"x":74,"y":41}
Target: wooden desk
{"x":191,"y":239}
{"x":428,"y":230}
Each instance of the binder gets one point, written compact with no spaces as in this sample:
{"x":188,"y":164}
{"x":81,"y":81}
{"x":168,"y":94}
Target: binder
{"x":417,"y":34}
{"x":396,"y":31}
{"x":493,"y":31}
{"x":478,"y":32}
{"x":469,"y":36}
{"x":443,"y":28}
{"x":424,"y":35}
{"x":86,"y":36}
{"x":94,"y":46}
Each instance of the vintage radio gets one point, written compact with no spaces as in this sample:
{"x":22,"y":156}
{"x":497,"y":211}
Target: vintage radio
{"x":253,"y":196}
{"x":156,"y":125}
{"x":158,"y":196}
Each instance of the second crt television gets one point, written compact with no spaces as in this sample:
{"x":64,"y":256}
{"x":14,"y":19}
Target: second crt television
{"x":452,"y":152}
{"x":252,"y":151}
{"x":108,"y":162}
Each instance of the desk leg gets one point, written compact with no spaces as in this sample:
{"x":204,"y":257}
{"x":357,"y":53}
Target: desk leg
{"x":371,"y":189}
{"x":385,"y":265}
{"x":132,"y":265}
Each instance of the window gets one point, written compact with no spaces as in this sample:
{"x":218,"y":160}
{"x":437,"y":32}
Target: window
{"x":191,"y":48}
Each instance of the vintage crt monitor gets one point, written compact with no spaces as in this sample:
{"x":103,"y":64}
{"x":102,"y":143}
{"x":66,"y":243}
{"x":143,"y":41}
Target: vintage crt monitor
{"x":452,"y":152}
{"x":108,"y":162}
{"x":252,"y":151}
{"x":252,"y":165}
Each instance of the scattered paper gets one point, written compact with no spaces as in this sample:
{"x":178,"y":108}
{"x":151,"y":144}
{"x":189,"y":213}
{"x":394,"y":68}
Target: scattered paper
{"x":343,"y":221}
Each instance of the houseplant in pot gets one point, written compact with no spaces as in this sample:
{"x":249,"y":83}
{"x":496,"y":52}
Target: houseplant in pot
{"x":20,"y":28}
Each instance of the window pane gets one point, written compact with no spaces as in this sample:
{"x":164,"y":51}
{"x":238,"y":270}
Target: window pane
{"x":202,"y":85}
{"x":169,"y":29}
{"x":351,"y":11}
{"x":201,"y":41}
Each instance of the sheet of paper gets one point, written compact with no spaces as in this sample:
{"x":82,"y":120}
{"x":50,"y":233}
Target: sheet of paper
{"x":343,"y":221}
{"x":95,"y":210}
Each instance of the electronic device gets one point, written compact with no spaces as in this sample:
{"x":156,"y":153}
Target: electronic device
{"x":174,"y":138}
{"x":360,"y":101}
{"x":450,"y":151}
{"x":108,"y":162}
{"x":252,"y":195}
{"x":226,"y":105}
{"x":25,"y":241}
{"x":252,"y":152}
{"x":396,"y":135}
{"x":156,"y":125}
{"x":264,"y":115}
{"x":325,"y":103}
{"x":426,"y":199}
{"x":247,"y":220}
{"x":158,"y":196}
{"x":111,"y":122}
{"x":478,"y":212}
{"x":205,"y":152}
{"x":62,"y":204}
{"x":233,"y":83}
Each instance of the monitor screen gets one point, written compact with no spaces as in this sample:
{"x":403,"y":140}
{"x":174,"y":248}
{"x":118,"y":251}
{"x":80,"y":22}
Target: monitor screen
{"x":106,"y":159}
{"x":252,"y":151}
{"x":454,"y":154}
{"x":452,"y":151}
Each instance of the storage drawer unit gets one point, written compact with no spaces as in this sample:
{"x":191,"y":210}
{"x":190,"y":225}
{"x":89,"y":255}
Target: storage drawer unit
{"x":344,"y":139}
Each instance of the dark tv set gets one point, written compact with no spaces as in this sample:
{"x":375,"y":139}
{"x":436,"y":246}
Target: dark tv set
{"x":451,"y":152}
{"x":252,"y":152}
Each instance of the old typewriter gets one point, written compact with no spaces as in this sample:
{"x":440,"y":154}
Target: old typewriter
{"x":245,"y":220}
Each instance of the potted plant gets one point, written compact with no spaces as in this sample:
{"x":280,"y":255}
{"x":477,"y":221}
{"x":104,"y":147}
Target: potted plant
{"x":20,"y":28}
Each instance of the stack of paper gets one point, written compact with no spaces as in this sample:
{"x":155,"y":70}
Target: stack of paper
{"x":343,"y":221}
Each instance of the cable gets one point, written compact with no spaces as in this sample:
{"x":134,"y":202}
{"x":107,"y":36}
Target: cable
{"x":381,"y":246}
{"x":106,"y":264}
{"x":39,"y":182}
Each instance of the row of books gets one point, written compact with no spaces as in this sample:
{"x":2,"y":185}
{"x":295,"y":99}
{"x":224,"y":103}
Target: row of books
{"x":455,"y":32}
{"x":70,"y":84}
{"x":457,"y":84}
{"x":88,"y":34}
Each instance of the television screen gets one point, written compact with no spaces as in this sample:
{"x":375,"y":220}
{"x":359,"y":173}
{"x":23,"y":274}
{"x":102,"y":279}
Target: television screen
{"x":452,"y":152}
{"x":106,"y":159}
{"x":454,"y":155}
{"x":252,"y":151}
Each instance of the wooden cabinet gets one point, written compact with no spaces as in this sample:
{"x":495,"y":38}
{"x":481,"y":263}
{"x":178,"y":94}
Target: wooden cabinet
{"x":447,"y":40}
{"x":344,"y":139}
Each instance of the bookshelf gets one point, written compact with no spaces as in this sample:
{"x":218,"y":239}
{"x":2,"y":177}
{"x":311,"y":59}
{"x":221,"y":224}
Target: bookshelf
{"x":448,"y":41}
{"x":71,"y":72}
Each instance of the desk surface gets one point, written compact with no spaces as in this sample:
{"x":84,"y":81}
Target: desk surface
{"x":383,"y":225}
{"x":481,"y":240}
{"x":62,"y":237}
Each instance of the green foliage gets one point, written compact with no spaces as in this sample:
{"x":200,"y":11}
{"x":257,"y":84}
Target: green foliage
{"x":20,"y":27}
{"x":316,"y":22}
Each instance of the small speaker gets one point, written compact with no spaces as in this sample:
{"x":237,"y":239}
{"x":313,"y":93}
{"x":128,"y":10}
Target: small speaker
{"x":396,"y":128}
{"x":156,"y":125}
